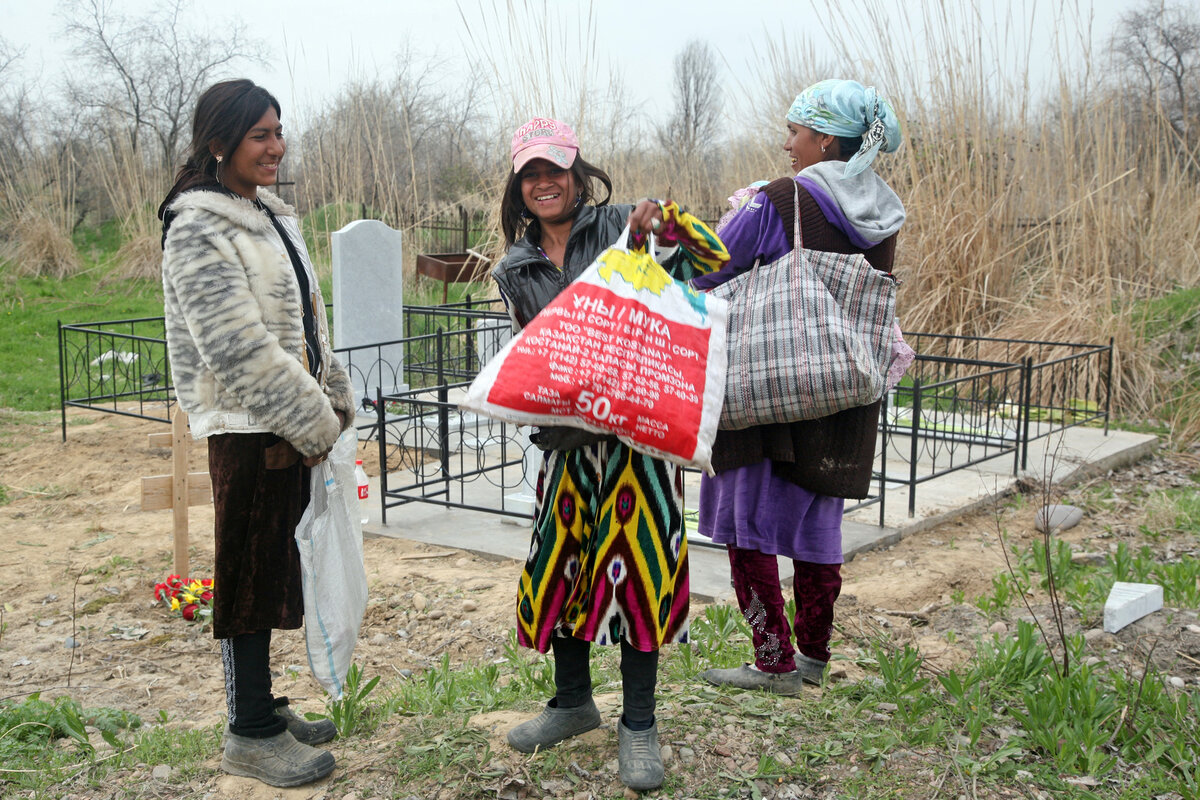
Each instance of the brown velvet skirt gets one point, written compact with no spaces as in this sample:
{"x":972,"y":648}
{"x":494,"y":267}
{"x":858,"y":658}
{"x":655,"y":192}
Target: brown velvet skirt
{"x":256,"y":576}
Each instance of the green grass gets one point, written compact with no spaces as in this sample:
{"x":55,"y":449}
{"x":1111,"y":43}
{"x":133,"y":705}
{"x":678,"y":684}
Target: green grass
{"x":32,"y":308}
{"x":31,"y":312}
{"x":1004,"y":717}
{"x":1085,"y":587}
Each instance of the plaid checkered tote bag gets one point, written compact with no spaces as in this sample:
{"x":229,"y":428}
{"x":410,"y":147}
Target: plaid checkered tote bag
{"x":809,"y":335}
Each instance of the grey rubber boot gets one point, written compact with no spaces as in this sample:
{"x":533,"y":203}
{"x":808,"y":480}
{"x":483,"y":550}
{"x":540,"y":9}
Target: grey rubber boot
{"x":277,"y":760}
{"x":553,"y":725}
{"x":305,"y":731}
{"x":638,"y":757}
{"x":745,"y":677}
{"x":810,"y":669}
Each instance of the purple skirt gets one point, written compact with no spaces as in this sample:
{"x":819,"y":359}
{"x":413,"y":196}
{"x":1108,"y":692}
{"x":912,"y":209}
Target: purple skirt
{"x":752,"y":508}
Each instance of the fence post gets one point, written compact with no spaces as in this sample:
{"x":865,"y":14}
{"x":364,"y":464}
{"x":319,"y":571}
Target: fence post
{"x":471,"y":358}
{"x":1108,"y":385}
{"x":62,"y":380}
{"x":1026,"y":403}
{"x":883,"y":410}
{"x":443,"y":396}
{"x":912,"y":458}
{"x":462,"y":215}
{"x":383,"y":470}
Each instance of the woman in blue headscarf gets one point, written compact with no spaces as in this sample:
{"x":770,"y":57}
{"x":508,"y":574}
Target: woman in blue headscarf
{"x":779,"y":490}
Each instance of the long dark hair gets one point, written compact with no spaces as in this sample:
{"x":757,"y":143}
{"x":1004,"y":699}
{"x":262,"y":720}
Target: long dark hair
{"x":224,"y":113}
{"x":512,"y":206}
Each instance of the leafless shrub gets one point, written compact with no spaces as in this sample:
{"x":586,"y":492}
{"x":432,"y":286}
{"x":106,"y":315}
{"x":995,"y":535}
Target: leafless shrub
{"x":689,"y":136}
{"x":40,"y":248}
{"x":141,"y":76}
{"x":1157,"y":48}
{"x":138,"y":259}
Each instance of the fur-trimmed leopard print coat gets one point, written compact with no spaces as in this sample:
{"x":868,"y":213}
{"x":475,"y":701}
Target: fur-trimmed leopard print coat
{"x":235,"y":333}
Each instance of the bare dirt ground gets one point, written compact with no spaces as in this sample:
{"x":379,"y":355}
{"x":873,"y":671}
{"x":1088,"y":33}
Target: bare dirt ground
{"x":79,"y":559}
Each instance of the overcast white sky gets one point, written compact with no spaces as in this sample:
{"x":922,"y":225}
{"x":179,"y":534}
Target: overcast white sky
{"x":317,"y":44}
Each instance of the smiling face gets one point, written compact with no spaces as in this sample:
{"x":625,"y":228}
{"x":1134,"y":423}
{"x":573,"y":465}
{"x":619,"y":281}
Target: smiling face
{"x":803,"y":144}
{"x":255,"y":161}
{"x":548,"y":190}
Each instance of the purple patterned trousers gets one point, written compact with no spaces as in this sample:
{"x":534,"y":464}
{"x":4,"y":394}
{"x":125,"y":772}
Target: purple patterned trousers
{"x":756,"y":583}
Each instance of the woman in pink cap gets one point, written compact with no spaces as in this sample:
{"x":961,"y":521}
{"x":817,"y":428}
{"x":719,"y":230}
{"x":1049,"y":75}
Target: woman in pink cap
{"x":608,"y":562}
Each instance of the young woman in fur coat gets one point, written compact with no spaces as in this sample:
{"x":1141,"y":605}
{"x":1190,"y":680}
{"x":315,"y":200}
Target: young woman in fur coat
{"x":249,"y":347}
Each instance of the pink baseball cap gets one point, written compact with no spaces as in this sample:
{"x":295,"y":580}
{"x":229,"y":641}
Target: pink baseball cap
{"x":544,"y":138}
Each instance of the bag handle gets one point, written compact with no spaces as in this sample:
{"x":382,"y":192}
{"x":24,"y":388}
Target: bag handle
{"x":797,"y":231}
{"x":622,"y":242}
{"x":797,"y":241}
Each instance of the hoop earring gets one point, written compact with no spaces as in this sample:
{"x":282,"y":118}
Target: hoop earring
{"x":822,"y":150}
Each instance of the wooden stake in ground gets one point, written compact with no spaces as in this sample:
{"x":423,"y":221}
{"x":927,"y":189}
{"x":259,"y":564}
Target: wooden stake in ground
{"x":178,"y":490}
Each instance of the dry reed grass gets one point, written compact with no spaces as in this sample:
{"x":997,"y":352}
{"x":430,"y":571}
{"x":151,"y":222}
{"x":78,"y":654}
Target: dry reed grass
{"x":1037,"y":207}
{"x":138,"y":259}
{"x":1043,"y":218}
{"x":37,"y":210}
{"x":39,"y":247}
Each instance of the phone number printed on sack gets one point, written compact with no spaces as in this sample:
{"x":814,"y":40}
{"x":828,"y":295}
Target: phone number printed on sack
{"x":572,"y":349}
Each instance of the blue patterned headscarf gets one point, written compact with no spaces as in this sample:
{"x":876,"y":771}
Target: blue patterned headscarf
{"x":849,"y":109}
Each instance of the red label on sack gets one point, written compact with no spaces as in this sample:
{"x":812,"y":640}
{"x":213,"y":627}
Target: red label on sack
{"x":610,"y":361}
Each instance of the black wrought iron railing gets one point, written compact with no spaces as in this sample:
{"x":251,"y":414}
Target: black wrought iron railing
{"x":949,"y":414}
{"x":963,"y":401}
{"x":117,"y":366}
{"x":1063,"y":384}
{"x":432,"y":451}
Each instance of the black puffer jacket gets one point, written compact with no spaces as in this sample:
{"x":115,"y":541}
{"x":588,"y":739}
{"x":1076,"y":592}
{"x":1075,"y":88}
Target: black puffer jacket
{"x":527,"y":279}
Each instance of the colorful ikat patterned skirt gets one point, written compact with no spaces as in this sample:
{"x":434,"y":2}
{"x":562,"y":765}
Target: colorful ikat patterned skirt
{"x":608,"y":558}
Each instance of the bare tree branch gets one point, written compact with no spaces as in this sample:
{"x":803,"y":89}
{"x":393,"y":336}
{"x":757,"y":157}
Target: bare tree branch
{"x":694,"y":120}
{"x":1157,"y":47}
{"x":144,"y":75}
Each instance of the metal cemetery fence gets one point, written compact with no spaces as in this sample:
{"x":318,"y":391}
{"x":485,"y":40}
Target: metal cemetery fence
{"x":429,"y":450}
{"x":965,"y":400}
{"x":118,"y":366}
{"x":1063,"y":384}
{"x":444,"y":229}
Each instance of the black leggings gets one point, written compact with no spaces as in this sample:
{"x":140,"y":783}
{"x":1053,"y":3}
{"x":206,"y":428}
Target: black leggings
{"x":248,"y":697}
{"x":573,"y":678}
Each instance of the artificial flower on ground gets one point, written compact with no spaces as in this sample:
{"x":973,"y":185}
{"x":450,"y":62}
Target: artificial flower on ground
{"x":192,"y":599}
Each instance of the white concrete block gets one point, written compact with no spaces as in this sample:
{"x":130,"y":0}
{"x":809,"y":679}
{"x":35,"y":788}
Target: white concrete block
{"x":1129,"y":602}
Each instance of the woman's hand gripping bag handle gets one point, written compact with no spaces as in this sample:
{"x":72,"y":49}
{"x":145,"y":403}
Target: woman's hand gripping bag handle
{"x":329,"y":538}
{"x":625,"y":350}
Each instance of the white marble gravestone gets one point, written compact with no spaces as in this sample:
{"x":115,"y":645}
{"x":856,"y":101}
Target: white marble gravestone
{"x":368,"y":305}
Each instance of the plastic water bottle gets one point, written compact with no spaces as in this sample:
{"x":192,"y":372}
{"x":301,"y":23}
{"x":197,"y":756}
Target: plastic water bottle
{"x":364,"y":488}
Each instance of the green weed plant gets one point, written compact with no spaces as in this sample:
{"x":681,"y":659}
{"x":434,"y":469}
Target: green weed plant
{"x":352,"y":712}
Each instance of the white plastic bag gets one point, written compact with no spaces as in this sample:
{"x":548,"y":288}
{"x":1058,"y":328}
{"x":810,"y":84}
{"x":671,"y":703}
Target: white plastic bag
{"x":329,"y":538}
